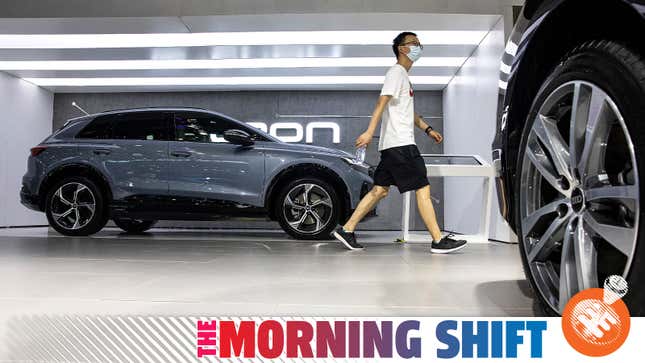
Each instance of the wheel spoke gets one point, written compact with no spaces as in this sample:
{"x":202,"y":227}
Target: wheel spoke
{"x":62,"y":215}
{"x":579,"y":115}
{"x":291,"y":204}
{"x":78,"y":218}
{"x":89,"y":206}
{"x":529,"y":222}
{"x":568,"y":281}
{"x":59,"y":195}
{"x":308,"y":188}
{"x":592,"y":146}
{"x":612,"y":192}
{"x":622,"y":238}
{"x":588,"y":102}
{"x":543,"y":247}
{"x":585,"y":257}
{"x":321,"y":202}
{"x":298,"y":223}
{"x":79,"y":188}
{"x":317,"y":219}
{"x":538,"y":157}
{"x":546,"y":129}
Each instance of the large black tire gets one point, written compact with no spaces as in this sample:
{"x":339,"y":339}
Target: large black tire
{"x":334,"y":216}
{"x":89,"y":225}
{"x":620,"y":72}
{"x":134,"y":226}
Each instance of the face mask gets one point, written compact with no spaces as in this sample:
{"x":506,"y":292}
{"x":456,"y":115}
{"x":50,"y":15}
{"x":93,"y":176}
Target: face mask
{"x":415,"y":53}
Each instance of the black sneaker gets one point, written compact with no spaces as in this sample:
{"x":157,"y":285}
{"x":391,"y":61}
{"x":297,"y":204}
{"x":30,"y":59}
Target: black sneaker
{"x":347,"y":238}
{"x":447,"y":245}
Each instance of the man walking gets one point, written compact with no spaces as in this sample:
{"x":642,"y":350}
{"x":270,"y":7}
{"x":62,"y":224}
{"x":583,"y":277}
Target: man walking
{"x":401,"y":163}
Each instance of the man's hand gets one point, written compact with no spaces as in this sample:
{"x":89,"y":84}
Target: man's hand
{"x":364,"y":139}
{"x":436,"y":136}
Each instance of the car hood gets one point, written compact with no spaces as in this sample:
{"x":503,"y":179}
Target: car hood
{"x":311,"y":149}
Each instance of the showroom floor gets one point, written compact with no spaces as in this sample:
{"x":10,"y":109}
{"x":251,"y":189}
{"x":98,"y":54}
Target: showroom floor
{"x":253,"y":273}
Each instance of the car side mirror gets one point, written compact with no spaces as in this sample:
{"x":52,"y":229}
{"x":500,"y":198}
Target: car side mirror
{"x":238,"y":137}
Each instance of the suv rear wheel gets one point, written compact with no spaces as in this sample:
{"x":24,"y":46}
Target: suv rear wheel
{"x":75,"y":207}
{"x":308,"y":208}
{"x":578,"y":208}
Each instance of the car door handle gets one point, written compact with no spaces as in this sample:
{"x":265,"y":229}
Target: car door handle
{"x":180,"y":154}
{"x":101,"y":152}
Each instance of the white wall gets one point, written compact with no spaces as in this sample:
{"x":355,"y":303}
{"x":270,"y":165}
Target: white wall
{"x":25,"y":120}
{"x":470,"y":112}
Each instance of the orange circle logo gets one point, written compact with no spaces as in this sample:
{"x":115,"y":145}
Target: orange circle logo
{"x":596,"y":322}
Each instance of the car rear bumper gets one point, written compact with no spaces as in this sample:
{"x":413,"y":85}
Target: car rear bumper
{"x":29,"y":200}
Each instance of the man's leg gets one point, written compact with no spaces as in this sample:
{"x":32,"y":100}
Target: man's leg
{"x":440,"y":245}
{"x":368,"y":203}
{"x":424,"y":203}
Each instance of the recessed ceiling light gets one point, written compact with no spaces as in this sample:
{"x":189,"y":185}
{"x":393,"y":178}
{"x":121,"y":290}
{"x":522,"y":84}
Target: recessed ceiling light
{"x":243,"y":63}
{"x":152,"y":40}
{"x":226,"y":81}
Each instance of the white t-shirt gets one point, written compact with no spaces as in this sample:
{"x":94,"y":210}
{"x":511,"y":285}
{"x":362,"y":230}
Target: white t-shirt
{"x":397,"y":125}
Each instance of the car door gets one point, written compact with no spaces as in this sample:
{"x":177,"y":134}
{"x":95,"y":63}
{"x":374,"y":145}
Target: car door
{"x":208,"y":171}
{"x":131,"y":149}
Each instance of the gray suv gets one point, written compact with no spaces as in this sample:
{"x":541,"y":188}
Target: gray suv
{"x":142,"y":165}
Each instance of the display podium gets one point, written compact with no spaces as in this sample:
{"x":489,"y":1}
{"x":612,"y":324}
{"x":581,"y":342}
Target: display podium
{"x":467,"y":166}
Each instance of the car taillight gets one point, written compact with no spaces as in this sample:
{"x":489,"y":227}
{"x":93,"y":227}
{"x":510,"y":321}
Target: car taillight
{"x":36,"y":150}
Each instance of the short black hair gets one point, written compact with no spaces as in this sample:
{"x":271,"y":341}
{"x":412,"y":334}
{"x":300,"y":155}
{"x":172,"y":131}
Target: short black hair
{"x":398,"y":41}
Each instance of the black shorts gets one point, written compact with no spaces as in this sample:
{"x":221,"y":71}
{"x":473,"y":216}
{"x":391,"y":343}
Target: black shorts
{"x":402,"y":166}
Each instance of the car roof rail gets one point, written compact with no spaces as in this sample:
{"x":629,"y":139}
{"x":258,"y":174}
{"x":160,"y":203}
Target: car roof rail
{"x":153,"y":108}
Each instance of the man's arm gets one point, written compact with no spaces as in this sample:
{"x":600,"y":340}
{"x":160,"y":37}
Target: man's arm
{"x":365,"y":138}
{"x":418,"y":121}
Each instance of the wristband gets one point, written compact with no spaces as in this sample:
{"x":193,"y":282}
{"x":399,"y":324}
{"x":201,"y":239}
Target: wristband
{"x":428,"y":129}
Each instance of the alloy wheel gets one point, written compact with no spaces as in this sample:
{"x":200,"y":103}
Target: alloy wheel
{"x":308,"y":208}
{"x":579,"y":193}
{"x":73,"y":206}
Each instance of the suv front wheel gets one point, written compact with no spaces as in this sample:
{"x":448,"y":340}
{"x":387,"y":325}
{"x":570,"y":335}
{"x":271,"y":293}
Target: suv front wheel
{"x":75,"y":207}
{"x":308,"y":209}
{"x":578,"y":206}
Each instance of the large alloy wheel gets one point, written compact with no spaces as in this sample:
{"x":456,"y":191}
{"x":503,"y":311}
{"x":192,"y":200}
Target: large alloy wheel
{"x":578,"y":191}
{"x":75,"y":207}
{"x":573,"y":197}
{"x":308,"y":209}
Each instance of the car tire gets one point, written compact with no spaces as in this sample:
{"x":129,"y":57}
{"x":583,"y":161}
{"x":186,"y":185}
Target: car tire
{"x":75,"y":206}
{"x":313,"y":219}
{"x":134,"y":226}
{"x":610,"y":77}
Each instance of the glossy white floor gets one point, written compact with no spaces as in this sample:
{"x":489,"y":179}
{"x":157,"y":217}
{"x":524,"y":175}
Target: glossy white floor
{"x":252,"y":273}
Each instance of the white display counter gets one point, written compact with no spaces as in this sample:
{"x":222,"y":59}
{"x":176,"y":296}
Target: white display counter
{"x":468,"y":166}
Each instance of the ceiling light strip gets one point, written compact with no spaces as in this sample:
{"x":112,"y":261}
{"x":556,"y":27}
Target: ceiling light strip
{"x":226,"y":81}
{"x":242,"y":63}
{"x":93,"y":41}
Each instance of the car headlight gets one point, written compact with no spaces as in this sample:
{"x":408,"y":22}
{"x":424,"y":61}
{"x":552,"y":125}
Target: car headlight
{"x":357,"y":164}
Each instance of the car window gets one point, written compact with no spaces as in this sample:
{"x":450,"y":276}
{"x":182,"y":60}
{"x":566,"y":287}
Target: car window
{"x":99,"y":128}
{"x":149,"y":125}
{"x":204,"y":127}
